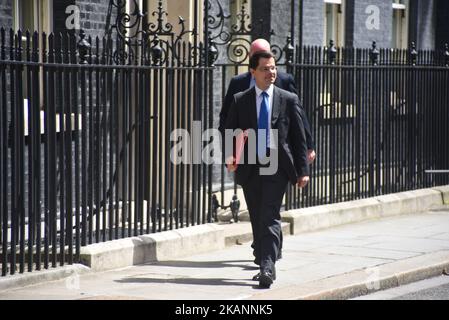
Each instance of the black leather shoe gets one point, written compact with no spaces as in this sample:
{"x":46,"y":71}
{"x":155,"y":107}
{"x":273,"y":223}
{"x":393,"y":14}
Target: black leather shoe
{"x":257,"y":276}
{"x":265,"y":279}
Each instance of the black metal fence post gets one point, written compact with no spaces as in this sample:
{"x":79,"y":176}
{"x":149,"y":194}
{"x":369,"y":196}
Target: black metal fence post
{"x":4,"y":215}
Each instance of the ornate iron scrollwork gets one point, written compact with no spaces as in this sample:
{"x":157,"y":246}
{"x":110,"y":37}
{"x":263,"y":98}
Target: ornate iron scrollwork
{"x":161,"y":28}
{"x":156,"y":41}
{"x":217,"y":22}
{"x":240,"y":27}
{"x":278,"y":52}
{"x":237,"y":37}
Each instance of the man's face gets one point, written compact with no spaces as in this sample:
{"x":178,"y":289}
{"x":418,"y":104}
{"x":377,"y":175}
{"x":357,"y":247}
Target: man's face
{"x":265,"y":73}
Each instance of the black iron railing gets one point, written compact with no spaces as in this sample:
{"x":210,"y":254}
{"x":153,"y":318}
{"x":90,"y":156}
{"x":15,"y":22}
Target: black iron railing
{"x":85,"y":145}
{"x":379,"y":119}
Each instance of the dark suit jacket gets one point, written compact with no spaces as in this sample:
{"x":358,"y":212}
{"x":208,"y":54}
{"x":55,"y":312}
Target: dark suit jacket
{"x":285,"y":117}
{"x":242,"y":81}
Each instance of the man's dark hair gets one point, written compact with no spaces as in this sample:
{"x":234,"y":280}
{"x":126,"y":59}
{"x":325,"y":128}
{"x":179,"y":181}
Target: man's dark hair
{"x":254,"y":60}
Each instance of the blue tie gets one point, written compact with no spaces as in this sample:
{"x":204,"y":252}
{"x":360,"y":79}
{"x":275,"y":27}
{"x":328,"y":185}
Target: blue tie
{"x":263,"y":136}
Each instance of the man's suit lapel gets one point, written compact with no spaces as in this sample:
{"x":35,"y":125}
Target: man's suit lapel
{"x":276,"y":107}
{"x":252,"y":108}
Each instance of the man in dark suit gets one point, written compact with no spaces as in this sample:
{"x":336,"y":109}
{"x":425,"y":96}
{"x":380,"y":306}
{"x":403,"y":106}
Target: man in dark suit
{"x":261,"y":109}
{"x":283,"y":80}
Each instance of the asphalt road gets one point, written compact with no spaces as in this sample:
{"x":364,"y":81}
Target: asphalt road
{"x":430,"y":289}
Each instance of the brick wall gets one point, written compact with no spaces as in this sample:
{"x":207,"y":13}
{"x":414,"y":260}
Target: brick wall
{"x":92,"y":15}
{"x":313,"y":22}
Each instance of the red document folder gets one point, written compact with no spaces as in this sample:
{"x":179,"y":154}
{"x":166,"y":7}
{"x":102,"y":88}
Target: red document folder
{"x":240,"y":145}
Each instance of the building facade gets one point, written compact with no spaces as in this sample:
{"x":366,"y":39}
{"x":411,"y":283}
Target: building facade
{"x":356,"y":23}
{"x":349,"y":23}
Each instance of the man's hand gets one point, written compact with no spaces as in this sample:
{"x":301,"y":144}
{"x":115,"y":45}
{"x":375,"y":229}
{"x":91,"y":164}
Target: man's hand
{"x":230,"y":164}
{"x":311,"y":155}
{"x":302,"y":181}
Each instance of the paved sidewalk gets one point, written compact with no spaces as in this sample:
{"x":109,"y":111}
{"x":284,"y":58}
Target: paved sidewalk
{"x":336,"y":263}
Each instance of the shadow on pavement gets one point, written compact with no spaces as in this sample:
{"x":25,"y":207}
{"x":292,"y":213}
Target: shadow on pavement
{"x":182,"y":279}
{"x":244,"y":264}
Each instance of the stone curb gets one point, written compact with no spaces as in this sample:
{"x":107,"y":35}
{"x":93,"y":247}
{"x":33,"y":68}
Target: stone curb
{"x":36,"y":277}
{"x":326,"y":216}
{"x":211,"y":237}
{"x":153,"y":247}
{"x":366,"y":281}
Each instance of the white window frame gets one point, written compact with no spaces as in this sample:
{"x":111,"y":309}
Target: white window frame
{"x":338,"y":27}
{"x":399,"y":28}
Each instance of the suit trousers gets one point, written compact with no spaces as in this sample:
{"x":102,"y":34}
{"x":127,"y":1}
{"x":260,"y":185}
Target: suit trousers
{"x":263,"y":196}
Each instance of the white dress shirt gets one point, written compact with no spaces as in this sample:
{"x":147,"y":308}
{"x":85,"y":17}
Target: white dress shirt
{"x":259,"y":98}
